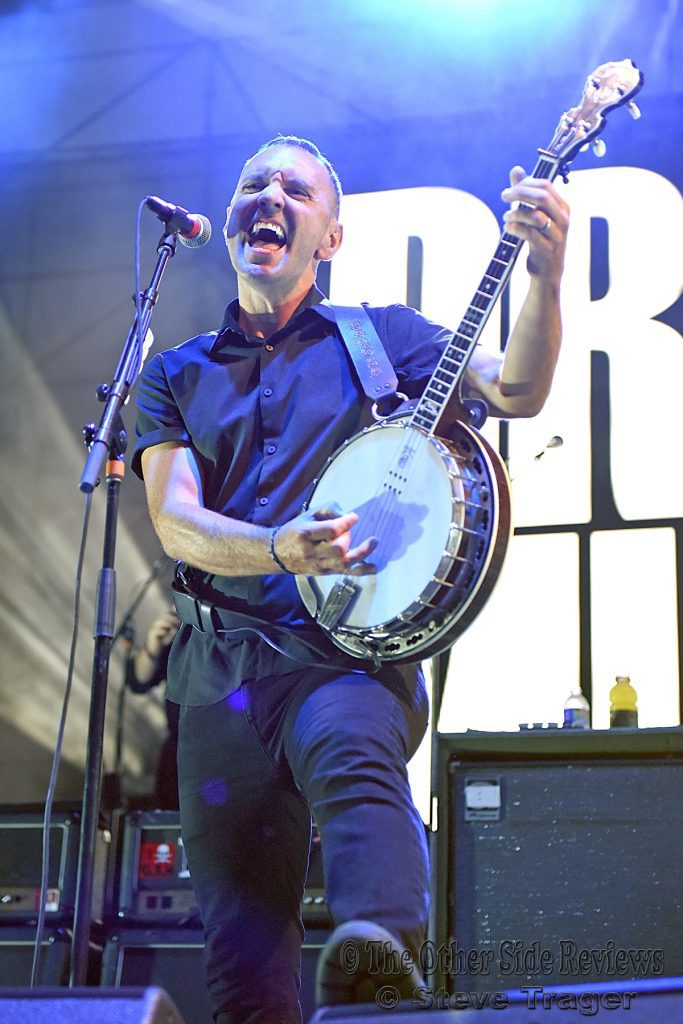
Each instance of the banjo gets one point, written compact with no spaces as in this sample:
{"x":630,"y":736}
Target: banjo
{"x":439,"y":507}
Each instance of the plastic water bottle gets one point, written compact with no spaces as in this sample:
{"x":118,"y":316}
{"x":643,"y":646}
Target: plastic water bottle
{"x":623,"y":708}
{"x":577,"y":712}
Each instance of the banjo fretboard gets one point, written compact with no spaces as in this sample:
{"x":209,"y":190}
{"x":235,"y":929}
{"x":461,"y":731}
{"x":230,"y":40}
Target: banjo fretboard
{"x":446,"y":379}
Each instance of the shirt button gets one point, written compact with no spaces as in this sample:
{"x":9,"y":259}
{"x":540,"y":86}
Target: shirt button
{"x":271,"y":448}
{"x":263,"y":501}
{"x":267,"y":392}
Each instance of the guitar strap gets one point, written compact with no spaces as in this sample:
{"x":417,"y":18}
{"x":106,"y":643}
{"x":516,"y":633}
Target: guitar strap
{"x":367,"y":353}
{"x":229,"y":623}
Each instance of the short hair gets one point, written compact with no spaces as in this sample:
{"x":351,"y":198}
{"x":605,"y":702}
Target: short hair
{"x":309,"y":147}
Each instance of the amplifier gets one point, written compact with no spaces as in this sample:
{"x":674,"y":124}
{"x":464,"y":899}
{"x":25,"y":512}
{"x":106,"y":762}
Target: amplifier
{"x":171,"y":958}
{"x":558,"y":858}
{"x":154,"y":881}
{"x":155,"y":887}
{"x":21,"y":841}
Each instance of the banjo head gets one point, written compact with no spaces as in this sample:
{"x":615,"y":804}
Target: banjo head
{"x":407,"y":492}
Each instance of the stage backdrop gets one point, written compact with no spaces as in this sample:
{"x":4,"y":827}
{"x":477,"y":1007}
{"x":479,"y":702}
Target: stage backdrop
{"x":423,"y":111}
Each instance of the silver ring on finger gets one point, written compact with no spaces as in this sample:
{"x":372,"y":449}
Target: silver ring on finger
{"x":546,"y":227}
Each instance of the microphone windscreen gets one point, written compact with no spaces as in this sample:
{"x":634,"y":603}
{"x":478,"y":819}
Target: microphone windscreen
{"x":202,"y":236}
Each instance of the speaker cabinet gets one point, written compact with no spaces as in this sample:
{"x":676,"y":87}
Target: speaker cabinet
{"x":558,"y":858}
{"x":16,"y":956}
{"x":172,"y":959}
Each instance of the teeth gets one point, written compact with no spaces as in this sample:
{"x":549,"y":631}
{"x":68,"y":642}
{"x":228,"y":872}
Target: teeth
{"x":267,"y":226}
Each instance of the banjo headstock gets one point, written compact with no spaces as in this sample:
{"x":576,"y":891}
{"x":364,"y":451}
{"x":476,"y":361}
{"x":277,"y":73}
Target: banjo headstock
{"x":610,"y":86}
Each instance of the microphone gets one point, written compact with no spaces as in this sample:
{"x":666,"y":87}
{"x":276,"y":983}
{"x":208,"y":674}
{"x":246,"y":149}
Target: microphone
{"x":555,"y":442}
{"x":193,"y":229}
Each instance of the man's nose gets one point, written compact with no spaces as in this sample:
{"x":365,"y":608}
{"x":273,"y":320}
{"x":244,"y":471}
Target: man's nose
{"x":271,"y":196}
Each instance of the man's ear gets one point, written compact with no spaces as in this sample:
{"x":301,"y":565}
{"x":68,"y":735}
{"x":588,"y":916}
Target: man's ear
{"x":228,"y":211}
{"x":331,"y":242}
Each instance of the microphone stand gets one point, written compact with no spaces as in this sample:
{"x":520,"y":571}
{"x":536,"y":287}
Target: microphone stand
{"x":109,"y":439}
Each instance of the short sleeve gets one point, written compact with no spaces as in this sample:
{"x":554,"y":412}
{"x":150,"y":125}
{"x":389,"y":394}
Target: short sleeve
{"x":159,"y":418}
{"x":413,"y":344}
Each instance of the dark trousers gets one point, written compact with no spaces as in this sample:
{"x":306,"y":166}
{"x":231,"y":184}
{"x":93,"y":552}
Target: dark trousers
{"x":252,"y":768}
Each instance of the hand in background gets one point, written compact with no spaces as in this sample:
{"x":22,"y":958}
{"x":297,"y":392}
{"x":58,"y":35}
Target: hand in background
{"x":161,"y":634}
{"x":146,"y":660}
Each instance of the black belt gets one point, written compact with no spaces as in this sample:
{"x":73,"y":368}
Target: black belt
{"x":228,"y":624}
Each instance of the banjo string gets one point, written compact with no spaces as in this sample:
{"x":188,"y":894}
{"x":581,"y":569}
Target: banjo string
{"x":374,"y":520}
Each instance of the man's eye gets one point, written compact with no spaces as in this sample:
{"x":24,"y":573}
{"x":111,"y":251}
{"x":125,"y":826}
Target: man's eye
{"x":250,"y":186}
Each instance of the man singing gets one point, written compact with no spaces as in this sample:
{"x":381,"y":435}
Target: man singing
{"x":233,"y":428}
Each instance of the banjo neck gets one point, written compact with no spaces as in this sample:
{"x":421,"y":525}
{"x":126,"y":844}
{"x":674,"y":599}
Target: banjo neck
{"x":611,"y":85}
{"x":447,"y":377}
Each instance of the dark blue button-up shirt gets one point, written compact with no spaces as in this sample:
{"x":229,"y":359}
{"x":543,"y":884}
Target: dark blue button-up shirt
{"x":262,"y":418}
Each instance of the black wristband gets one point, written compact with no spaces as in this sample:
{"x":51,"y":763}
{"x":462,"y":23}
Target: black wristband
{"x":272,"y":552}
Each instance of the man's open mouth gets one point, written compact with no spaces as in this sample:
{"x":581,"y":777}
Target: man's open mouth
{"x":266,"y":235}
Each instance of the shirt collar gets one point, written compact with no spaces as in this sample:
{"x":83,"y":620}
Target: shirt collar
{"x":314,"y":303}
